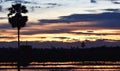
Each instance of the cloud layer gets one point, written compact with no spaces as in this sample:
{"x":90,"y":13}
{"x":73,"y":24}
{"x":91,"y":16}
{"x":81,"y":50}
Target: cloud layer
{"x":101,"y":20}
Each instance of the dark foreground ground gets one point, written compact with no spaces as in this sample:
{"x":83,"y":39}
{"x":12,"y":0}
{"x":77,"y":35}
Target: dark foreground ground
{"x":26,"y":55}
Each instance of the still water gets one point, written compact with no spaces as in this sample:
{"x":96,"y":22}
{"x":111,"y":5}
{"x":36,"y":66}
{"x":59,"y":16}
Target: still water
{"x":64,"y":66}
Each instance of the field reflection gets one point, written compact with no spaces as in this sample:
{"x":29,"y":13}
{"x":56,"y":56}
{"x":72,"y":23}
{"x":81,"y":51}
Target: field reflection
{"x":64,"y":66}
{"x":63,"y":70}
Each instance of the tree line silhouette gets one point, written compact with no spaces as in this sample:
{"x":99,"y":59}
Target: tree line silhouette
{"x":27,"y":54}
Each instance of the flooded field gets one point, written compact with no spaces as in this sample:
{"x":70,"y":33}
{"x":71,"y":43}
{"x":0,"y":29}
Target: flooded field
{"x":64,"y":66}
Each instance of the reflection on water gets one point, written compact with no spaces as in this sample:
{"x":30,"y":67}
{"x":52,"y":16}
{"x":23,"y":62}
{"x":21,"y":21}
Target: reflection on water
{"x":64,"y":70}
{"x":64,"y":66}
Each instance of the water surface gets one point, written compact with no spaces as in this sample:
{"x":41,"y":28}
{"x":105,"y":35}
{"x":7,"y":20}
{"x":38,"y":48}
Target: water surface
{"x":64,"y":66}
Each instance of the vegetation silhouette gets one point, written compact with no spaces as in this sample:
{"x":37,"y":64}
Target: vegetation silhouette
{"x":102,"y":53}
{"x":18,"y":21}
{"x":83,"y":44}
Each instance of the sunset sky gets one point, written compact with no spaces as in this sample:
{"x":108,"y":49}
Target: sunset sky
{"x":65,"y":21}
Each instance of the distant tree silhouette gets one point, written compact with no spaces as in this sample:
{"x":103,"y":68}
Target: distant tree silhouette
{"x":18,"y":21}
{"x":83,"y":44}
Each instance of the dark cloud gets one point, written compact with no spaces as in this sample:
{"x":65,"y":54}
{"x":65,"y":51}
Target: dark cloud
{"x":42,"y":37}
{"x":92,"y":17}
{"x":92,"y":33}
{"x":113,"y":10}
{"x":7,"y":37}
{"x":105,"y":20}
{"x":115,"y":2}
{"x":93,"y":1}
{"x":53,"y":21}
{"x":38,"y":37}
{"x":84,"y":17}
{"x":53,"y":4}
{"x":62,"y":37}
{"x":102,"y":20}
{"x":45,"y":31}
{"x":91,"y":10}
{"x":5,"y":26}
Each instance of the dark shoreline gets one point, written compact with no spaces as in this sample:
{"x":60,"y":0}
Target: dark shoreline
{"x":60,"y":54}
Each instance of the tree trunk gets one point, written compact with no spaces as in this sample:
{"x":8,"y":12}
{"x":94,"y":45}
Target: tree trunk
{"x":18,"y":65}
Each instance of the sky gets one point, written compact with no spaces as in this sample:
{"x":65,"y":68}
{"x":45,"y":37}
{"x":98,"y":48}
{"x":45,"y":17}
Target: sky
{"x":65,"y":21}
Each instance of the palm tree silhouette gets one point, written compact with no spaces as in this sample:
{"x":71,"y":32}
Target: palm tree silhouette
{"x":18,"y":21}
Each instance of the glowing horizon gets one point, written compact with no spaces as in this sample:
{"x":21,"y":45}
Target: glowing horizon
{"x":61,"y":21}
